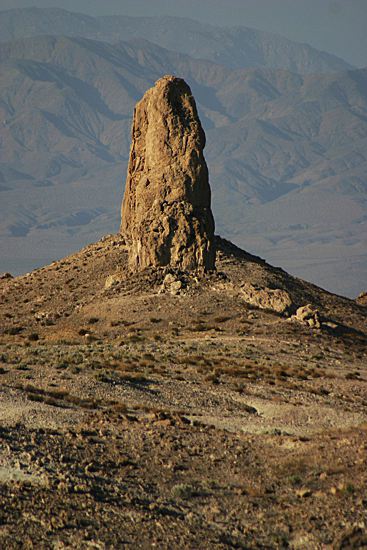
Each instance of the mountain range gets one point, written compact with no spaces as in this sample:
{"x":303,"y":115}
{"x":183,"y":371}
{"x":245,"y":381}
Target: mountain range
{"x":286,"y":131}
{"x":231,"y":47}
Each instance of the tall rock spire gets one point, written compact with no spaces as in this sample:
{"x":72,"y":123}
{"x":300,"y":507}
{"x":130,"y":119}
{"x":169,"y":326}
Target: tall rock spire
{"x":166,"y":216}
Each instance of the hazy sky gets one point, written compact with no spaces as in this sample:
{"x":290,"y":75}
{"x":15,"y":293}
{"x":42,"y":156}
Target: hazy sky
{"x":336,"y":26}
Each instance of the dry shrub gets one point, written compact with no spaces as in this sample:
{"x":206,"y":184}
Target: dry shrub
{"x":13,"y":330}
{"x":136,"y":378}
{"x":58,"y":393}
{"x":200,"y":327}
{"x":221,"y":318}
{"x":119,"y":408}
{"x":125,"y":367}
{"x":134,"y":338}
{"x":35,"y":397}
{"x":352,"y":376}
{"x":290,"y":467}
{"x":30,"y":388}
{"x":211,"y":379}
{"x":190,"y":359}
{"x":148,"y":356}
{"x":126,"y":323}
{"x":52,"y":401}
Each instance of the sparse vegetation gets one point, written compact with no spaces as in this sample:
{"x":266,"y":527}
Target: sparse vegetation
{"x":182,"y":490}
{"x":209,"y":434}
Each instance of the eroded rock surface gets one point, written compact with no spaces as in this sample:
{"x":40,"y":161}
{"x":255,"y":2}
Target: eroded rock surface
{"x":266,"y":298}
{"x":307,"y":315}
{"x":166,"y":213}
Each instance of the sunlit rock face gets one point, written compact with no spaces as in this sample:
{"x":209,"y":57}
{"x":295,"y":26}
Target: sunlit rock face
{"x":166,"y":213}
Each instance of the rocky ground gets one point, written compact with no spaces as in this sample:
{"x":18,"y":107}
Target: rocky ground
{"x":163,"y":410}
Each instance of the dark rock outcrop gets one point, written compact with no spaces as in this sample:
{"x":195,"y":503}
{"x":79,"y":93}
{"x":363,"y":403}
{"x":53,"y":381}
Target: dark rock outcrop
{"x":166,"y":213}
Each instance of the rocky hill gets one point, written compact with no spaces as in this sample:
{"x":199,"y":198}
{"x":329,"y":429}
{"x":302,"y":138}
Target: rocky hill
{"x":286,"y":153}
{"x":231,"y":47}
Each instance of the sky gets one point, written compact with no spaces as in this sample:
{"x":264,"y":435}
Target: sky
{"x":335,"y":26}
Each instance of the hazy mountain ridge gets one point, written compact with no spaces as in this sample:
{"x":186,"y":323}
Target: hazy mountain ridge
{"x":291,"y":147}
{"x":232,"y":47}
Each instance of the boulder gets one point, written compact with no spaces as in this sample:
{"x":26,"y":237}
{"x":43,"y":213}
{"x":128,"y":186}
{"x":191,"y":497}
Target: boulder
{"x":166,"y":215}
{"x":266,"y":298}
{"x":171,"y":284}
{"x":362,"y":299}
{"x":307,"y":315}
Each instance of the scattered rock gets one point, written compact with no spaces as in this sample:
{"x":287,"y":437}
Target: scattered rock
{"x":47,"y":318}
{"x":172,"y":284}
{"x":304,"y":493}
{"x":266,"y":298}
{"x":6,"y":276}
{"x":362,"y":299}
{"x":307,"y":315}
{"x":112,"y":280}
{"x":166,"y":216}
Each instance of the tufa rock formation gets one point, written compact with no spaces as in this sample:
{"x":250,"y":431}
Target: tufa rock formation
{"x":166,"y":214}
{"x":266,"y":298}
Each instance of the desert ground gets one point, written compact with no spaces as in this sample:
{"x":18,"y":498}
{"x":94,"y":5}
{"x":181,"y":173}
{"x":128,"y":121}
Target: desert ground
{"x":162,"y":410}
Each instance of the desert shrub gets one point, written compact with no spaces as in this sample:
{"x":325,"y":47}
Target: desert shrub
{"x":212,"y":379}
{"x":134,"y":338}
{"x":190,"y":359}
{"x":182,"y":490}
{"x":101,"y":377}
{"x":33,"y":337}
{"x":35,"y":397}
{"x":58,"y":393}
{"x":221,"y":318}
{"x":352,"y":376}
{"x":248,"y":408}
{"x":148,"y":356}
{"x":13,"y":330}
{"x":199,"y":327}
{"x":74,"y":369}
{"x":22,"y":366}
{"x":209,"y":484}
{"x":33,"y":389}
{"x":51,"y":401}
{"x":137,"y":378}
{"x":119,"y":408}
{"x":294,"y":480}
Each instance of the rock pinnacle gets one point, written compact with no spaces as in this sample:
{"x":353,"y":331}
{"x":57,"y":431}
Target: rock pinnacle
{"x":166,"y":216}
